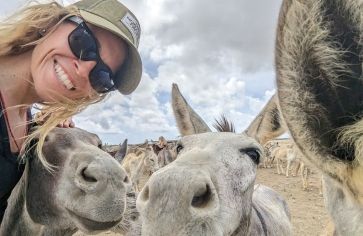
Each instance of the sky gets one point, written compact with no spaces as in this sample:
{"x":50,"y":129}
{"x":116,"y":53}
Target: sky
{"x":219,"y":52}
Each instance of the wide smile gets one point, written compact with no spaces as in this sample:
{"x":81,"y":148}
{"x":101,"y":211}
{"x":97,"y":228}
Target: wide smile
{"x":92,"y":225}
{"x":63,"y":77}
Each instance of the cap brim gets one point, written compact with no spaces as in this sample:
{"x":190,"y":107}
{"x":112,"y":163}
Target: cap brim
{"x":126,"y":80}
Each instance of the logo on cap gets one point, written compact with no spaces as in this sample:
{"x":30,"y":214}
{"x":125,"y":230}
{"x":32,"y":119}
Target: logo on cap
{"x":133,"y":26}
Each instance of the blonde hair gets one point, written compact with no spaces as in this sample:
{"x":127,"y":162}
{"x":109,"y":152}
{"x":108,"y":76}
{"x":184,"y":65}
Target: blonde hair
{"x":20,"y":33}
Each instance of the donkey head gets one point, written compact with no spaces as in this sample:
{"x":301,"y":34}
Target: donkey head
{"x":87,"y":189}
{"x":208,"y":189}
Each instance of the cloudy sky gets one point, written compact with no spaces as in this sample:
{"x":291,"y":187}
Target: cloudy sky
{"x":220,"y":53}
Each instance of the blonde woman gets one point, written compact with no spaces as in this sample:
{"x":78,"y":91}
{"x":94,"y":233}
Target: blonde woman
{"x":64,"y":58}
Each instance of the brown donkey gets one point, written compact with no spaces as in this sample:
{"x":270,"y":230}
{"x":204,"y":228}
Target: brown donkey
{"x":320,"y":97}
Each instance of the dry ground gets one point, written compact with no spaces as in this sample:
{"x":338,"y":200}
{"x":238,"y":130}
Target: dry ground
{"x":309,"y":216}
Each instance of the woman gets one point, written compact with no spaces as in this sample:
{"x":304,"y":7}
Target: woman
{"x":64,"y":58}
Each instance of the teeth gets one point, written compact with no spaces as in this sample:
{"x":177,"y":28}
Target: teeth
{"x":63,"y":77}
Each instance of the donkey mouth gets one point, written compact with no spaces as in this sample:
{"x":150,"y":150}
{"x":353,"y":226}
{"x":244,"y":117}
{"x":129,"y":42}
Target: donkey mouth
{"x":92,"y":225}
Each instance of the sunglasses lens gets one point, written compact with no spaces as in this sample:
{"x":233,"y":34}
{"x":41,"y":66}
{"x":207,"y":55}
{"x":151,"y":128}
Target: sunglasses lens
{"x":83,"y":44}
{"x":101,"y":79}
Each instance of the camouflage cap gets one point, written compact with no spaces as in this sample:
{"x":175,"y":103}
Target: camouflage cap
{"x":118,"y":19}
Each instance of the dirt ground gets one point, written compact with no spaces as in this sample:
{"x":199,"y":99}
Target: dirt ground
{"x":308,"y":214}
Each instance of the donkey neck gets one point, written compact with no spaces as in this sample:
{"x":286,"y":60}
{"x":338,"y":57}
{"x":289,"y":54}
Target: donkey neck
{"x":244,"y":228}
{"x":16,"y":219}
{"x":252,"y":224}
{"x":247,"y":217}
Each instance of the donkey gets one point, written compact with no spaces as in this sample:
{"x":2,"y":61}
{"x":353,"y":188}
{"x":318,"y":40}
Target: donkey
{"x":165,"y":157}
{"x":88,"y":190}
{"x":209,"y":188}
{"x":320,"y":99}
{"x":272,"y":122}
{"x":139,"y":164}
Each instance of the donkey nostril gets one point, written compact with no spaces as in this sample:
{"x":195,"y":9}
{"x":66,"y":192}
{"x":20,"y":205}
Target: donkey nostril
{"x":126,"y":179}
{"x":145,"y":193}
{"x":202,"y":197}
{"x":86,"y":176}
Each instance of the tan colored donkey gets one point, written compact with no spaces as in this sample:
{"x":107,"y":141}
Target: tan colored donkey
{"x":320,"y":95}
{"x":139,"y":164}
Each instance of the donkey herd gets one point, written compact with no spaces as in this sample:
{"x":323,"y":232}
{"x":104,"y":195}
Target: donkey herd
{"x":204,"y":183}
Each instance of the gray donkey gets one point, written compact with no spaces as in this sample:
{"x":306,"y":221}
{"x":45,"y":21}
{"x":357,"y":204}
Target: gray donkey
{"x":209,"y":189}
{"x":320,"y":98}
{"x":88,"y":190}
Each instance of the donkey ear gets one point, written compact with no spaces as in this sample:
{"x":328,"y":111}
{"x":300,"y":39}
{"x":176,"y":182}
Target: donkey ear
{"x":268,"y":124}
{"x":121,"y":153}
{"x":188,"y":121}
{"x":319,"y":78}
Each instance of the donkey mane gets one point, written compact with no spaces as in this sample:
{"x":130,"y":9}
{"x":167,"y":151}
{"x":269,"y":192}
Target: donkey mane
{"x":224,"y":125}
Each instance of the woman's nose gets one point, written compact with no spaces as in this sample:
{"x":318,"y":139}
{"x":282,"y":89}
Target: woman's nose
{"x":83,"y":68}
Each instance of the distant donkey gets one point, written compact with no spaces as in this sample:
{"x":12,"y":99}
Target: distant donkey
{"x":319,"y":50}
{"x":139,"y":164}
{"x":209,"y":189}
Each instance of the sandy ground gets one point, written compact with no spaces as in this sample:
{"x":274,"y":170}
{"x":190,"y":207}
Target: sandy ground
{"x":309,"y":216}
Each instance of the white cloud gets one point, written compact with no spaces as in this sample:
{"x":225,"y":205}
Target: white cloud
{"x":220,"y":53}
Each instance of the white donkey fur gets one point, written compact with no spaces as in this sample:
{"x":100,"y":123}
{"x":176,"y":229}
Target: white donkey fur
{"x":209,"y":188}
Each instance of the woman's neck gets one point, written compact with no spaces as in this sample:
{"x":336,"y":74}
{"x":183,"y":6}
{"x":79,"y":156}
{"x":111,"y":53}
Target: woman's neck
{"x":16,"y":80}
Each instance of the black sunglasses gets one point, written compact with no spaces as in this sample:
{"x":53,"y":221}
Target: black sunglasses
{"x":84,"y":46}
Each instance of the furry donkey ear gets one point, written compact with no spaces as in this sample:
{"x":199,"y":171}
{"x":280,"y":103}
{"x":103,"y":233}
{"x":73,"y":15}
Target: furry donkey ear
{"x":187,"y":120}
{"x":268,"y":124}
{"x":319,"y":78}
{"x":121,"y":153}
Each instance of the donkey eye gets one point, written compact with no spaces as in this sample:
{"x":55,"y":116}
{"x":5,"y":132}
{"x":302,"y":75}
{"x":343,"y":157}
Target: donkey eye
{"x":254,"y":154}
{"x":179,"y":148}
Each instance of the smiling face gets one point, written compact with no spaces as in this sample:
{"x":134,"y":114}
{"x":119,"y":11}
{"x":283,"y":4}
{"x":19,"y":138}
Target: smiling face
{"x":56,"y":70}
